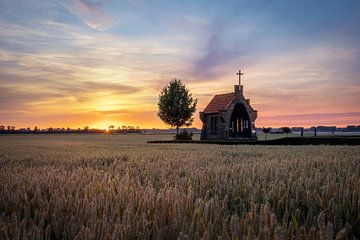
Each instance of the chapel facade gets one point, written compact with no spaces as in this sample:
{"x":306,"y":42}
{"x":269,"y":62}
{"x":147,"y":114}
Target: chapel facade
{"x":229,"y":116}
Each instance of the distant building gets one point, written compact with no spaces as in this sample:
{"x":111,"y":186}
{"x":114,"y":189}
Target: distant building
{"x":229,"y":116}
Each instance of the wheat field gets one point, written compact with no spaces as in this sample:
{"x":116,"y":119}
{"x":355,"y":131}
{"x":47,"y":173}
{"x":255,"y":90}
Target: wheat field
{"x":120,"y":187}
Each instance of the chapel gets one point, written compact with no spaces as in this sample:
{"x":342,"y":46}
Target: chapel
{"x":229,"y":116}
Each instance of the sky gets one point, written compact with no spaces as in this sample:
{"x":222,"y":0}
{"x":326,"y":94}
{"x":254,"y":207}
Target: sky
{"x":76,"y":63}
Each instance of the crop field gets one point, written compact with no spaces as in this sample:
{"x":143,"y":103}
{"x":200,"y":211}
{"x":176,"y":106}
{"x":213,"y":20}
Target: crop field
{"x":120,"y":187}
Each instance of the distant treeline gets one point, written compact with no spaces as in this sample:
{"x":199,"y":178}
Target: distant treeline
{"x":86,"y":129}
{"x":35,"y":130}
{"x":133,"y":129}
{"x":350,"y":128}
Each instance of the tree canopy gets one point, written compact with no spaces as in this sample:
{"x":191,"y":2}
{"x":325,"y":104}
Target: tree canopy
{"x":176,"y":104}
{"x":286,"y":130}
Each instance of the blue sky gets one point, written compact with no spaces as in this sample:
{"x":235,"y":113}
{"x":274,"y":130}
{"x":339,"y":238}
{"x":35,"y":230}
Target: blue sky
{"x":88,"y":62}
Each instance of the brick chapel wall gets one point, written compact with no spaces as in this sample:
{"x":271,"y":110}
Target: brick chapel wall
{"x":221,"y":128}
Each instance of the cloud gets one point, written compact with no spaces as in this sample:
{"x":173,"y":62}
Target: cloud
{"x":214,"y":53}
{"x":13,"y":99}
{"x":91,"y":13}
{"x":89,"y":7}
{"x":113,"y":113}
{"x":17,"y":92}
{"x":70,"y":54}
{"x":69,"y":70}
{"x":6,"y":56}
{"x":80,"y":88}
{"x":230,"y":36}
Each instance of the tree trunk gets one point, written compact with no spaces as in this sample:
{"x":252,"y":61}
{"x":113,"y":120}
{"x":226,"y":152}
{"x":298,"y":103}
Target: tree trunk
{"x":177,"y":129}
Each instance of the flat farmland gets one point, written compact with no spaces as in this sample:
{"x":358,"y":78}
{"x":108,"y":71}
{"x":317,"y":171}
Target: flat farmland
{"x":120,"y":187}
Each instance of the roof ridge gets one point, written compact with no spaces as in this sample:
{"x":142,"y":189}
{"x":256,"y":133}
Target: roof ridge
{"x":224,"y":94}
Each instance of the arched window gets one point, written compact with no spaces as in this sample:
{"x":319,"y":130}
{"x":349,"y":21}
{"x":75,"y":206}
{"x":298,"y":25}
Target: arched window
{"x":214,"y":125}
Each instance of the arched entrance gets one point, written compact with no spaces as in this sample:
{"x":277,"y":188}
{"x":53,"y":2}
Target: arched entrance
{"x":240,"y":125}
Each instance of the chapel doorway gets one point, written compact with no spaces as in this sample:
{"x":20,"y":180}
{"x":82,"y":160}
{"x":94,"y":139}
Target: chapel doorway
{"x":240,"y":125}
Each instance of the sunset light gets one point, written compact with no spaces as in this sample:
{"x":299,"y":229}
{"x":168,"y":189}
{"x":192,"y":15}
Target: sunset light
{"x":184,"y":120}
{"x":83,"y":62}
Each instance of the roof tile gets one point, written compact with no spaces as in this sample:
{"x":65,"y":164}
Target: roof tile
{"x":219,"y":102}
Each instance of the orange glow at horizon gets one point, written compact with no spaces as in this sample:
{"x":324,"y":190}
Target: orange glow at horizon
{"x":129,"y":106}
{"x":150,"y":120}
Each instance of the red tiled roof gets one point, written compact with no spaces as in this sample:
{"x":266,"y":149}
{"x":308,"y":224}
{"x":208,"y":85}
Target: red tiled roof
{"x":219,"y":102}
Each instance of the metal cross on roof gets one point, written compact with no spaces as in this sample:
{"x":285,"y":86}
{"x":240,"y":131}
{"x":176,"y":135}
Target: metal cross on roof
{"x":239,"y":73}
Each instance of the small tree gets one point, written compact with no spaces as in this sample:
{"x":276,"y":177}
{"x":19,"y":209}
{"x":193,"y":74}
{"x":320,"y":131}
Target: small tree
{"x":286,"y":130}
{"x":266,"y":131}
{"x":176,"y":104}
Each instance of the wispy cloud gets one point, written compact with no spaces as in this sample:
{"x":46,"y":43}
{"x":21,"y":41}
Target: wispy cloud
{"x":92,"y":14}
{"x":81,"y":89}
{"x":17,"y":99}
{"x":230,"y":37}
{"x":214,"y":52}
{"x":83,"y":74}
